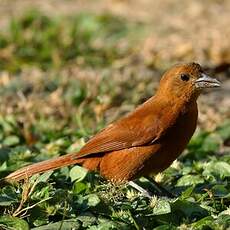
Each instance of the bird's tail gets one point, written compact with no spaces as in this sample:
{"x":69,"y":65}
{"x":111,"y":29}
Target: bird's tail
{"x":43,"y":166}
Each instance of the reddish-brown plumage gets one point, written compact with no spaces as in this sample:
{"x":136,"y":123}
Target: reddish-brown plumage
{"x":148,"y":139}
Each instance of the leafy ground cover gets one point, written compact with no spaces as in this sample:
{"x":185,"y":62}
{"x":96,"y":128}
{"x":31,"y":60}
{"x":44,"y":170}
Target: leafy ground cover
{"x":64,"y":78}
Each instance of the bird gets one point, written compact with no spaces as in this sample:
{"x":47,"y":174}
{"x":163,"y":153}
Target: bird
{"x":145,"y":141}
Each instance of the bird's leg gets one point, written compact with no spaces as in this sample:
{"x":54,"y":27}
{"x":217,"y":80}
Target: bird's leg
{"x":161,"y":189}
{"x":143,"y":191}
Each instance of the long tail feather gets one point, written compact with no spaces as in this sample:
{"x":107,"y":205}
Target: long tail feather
{"x":43,"y":166}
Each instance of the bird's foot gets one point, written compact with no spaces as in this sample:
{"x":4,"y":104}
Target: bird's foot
{"x":143,"y":191}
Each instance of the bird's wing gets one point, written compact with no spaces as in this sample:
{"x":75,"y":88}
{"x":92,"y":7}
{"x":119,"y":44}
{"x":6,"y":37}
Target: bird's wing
{"x":145,"y":125}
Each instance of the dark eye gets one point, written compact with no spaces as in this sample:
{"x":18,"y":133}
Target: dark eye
{"x":184,"y":77}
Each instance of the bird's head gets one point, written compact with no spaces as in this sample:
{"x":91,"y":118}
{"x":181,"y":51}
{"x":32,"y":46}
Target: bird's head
{"x":186,"y":81}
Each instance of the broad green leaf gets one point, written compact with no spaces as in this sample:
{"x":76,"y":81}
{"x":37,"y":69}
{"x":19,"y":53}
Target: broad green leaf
{"x":162,"y":207}
{"x":219,"y":191}
{"x":63,"y":225}
{"x":11,"y":222}
{"x":78,"y":173}
{"x":219,"y":168}
{"x":188,"y":180}
{"x":11,"y":140}
{"x":6,"y":200}
{"x":87,"y":219}
{"x":204,"y":222}
{"x":189,"y":209}
{"x":79,"y":187}
{"x":38,"y":216}
{"x":8,"y":196}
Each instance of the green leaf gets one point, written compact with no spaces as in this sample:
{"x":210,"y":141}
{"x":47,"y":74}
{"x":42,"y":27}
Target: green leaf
{"x":41,"y":178}
{"x":8,"y":196}
{"x":162,"y":207}
{"x":188,"y":180}
{"x":63,"y":225}
{"x":211,"y":143}
{"x":197,"y":140}
{"x":219,"y":168}
{"x":38,"y":216}
{"x":92,"y":200}
{"x":110,"y":225}
{"x":187,"y":193}
{"x":165,"y":227}
{"x":11,"y":140}
{"x":4,"y":153}
{"x":78,"y":173}
{"x":219,"y":191}
{"x":13,"y":223}
{"x":87,"y":219}
{"x":3,"y":166}
{"x":79,"y":187}
{"x":204,"y":222}
{"x":188,"y":209}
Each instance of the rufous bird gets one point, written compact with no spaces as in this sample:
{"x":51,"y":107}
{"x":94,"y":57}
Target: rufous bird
{"x":145,"y":141}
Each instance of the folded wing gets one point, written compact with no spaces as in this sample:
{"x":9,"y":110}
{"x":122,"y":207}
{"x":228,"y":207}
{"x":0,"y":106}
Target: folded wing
{"x":147,"y":124}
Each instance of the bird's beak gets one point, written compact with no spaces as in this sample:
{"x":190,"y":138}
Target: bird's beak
{"x":204,"y":81}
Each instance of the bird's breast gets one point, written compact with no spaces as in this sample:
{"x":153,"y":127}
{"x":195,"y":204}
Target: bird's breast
{"x":174,"y":142}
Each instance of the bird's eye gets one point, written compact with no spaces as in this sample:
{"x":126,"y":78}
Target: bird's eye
{"x":184,"y":77}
